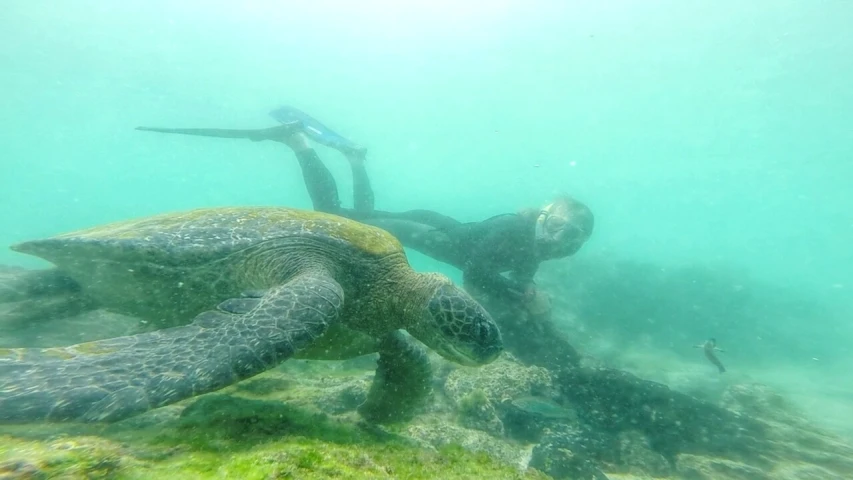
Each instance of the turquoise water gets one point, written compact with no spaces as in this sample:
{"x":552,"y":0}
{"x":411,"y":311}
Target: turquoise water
{"x":700,"y":133}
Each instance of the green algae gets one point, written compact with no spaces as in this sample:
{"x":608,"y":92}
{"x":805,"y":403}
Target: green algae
{"x":268,"y":427}
{"x":308,"y":459}
{"x":283,"y":221}
{"x":66,"y":457}
{"x":226,"y":436}
{"x":473,"y":402}
{"x":57,"y":353}
{"x":94,"y":348}
{"x":264,"y":386}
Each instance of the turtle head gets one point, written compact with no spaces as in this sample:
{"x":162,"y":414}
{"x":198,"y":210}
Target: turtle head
{"x":457,"y":327}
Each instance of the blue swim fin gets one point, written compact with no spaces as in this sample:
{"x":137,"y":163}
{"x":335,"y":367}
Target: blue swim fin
{"x":255,"y":135}
{"x":316,"y":130}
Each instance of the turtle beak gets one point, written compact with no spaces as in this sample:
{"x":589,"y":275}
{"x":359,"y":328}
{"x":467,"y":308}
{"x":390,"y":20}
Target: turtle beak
{"x":471,"y":358}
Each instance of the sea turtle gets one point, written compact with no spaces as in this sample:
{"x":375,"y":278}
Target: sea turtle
{"x":235,"y":291}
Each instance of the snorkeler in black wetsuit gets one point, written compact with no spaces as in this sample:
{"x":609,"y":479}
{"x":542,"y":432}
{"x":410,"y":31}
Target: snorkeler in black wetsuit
{"x":515,"y":243}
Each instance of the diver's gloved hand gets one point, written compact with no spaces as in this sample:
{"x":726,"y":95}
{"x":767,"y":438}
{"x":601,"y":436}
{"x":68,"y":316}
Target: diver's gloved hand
{"x":537,"y":303}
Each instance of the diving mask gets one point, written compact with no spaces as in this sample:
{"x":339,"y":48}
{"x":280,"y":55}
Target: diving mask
{"x":555,"y":228}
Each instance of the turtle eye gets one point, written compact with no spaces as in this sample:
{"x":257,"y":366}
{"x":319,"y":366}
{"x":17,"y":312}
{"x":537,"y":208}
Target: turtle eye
{"x":484,"y":333}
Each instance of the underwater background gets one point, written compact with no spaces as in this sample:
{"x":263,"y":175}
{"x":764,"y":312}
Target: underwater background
{"x":712,"y":140}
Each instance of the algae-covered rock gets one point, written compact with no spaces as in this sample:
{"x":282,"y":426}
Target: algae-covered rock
{"x":345,"y":398}
{"x":573,"y":452}
{"x":579,"y":452}
{"x":636,"y":456}
{"x":775,"y":441}
{"x":502,"y":379}
{"x":615,"y":401}
{"x":151,"y":418}
{"x":761,"y":401}
{"x":20,"y":469}
{"x":792,"y":440}
{"x":477,"y":393}
{"x":322,"y":385}
{"x":526,"y":417}
{"x":81,"y":457}
{"x":332,"y":394}
{"x":695,"y":467}
{"x":476,"y":411}
{"x":223,"y":436}
{"x":437,"y":432}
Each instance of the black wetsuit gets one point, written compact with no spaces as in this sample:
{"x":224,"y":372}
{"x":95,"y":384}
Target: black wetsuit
{"x":482,"y":250}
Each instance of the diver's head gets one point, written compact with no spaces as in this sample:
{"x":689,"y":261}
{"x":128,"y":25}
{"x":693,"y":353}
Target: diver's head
{"x":562,"y":227}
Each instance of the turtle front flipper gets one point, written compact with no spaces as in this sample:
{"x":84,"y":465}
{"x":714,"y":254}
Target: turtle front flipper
{"x":109,"y":380}
{"x":402,"y":384}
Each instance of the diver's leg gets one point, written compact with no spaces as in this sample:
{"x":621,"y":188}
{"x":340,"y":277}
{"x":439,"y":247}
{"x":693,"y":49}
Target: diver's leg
{"x":316,"y":130}
{"x":363,"y":198}
{"x":319,"y":181}
{"x":424,"y":238}
{"x":362,"y":193}
{"x":427,"y":217}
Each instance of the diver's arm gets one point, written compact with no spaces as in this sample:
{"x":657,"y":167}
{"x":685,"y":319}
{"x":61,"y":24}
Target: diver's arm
{"x":497,"y":236}
{"x":524,"y":276}
{"x":493,"y":283}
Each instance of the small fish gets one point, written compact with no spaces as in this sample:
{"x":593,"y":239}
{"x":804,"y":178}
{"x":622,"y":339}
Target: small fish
{"x":541,"y":407}
{"x":710,"y":347}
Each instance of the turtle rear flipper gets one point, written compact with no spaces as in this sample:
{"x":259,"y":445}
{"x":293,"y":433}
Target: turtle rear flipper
{"x":402,"y":383}
{"x":113,"y":379}
{"x":18,"y":284}
{"x":32,"y":314}
{"x":28,"y":296}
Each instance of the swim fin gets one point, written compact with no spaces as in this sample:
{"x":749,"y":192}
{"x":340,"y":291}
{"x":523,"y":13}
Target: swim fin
{"x":255,"y":135}
{"x":316,"y":130}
